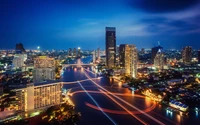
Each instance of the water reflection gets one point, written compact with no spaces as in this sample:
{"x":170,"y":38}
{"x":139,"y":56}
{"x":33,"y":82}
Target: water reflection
{"x":148,"y":102}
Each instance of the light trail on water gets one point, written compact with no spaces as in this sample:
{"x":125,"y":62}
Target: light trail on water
{"x":154,"y":119}
{"x":97,"y":104}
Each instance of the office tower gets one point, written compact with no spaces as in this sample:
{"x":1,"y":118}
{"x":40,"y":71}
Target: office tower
{"x":79,"y":52}
{"x":110,"y":46}
{"x":44,"y":69}
{"x":159,"y":60}
{"x":128,"y":59}
{"x":187,"y":54}
{"x":199,"y":56}
{"x":20,"y":47}
{"x":154,"y":51}
{"x":18,"y":60}
{"x":35,"y":96}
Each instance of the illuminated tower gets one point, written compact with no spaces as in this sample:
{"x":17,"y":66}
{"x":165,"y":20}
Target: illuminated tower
{"x":154,"y":51}
{"x":128,"y":59}
{"x":79,"y":52}
{"x":159,"y":60}
{"x":110,"y":46}
{"x":187,"y":54}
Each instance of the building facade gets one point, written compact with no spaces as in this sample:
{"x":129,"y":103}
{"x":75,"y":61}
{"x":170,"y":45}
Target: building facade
{"x":19,"y":60}
{"x":44,"y":69}
{"x":39,"y":96}
{"x":20,"y":47}
{"x":187,"y":54}
{"x":110,"y":47}
{"x":159,"y":60}
{"x":154,"y":51}
{"x":128,"y":59}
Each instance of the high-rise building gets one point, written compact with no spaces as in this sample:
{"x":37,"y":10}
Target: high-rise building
{"x":19,"y":60}
{"x":159,"y":60}
{"x":44,"y":69}
{"x":110,"y":46}
{"x":187,"y":54}
{"x":79,"y":52}
{"x":199,"y":56}
{"x":154,"y":51}
{"x":128,"y":59}
{"x":20,"y":47}
{"x":42,"y":95}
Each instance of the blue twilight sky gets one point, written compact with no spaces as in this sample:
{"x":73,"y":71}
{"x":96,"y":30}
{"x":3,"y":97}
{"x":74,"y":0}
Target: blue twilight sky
{"x":60,"y":24}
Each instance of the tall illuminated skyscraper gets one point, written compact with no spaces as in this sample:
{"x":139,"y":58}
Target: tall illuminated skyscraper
{"x":110,"y":46}
{"x":159,"y":60}
{"x":187,"y":54}
{"x":79,"y":52}
{"x":128,"y":59}
{"x":154,"y":52}
{"x":44,"y":69}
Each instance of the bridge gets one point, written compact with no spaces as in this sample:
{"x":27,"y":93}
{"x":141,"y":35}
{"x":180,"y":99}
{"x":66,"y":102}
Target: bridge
{"x":78,"y":65}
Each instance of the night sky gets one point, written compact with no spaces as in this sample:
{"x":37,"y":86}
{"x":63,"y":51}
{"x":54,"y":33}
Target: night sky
{"x":61,"y":24}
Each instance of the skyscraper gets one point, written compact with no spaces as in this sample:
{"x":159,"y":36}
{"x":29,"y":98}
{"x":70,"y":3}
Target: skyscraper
{"x":44,"y":69}
{"x":159,"y":60}
{"x":110,"y":46}
{"x":187,"y":54}
{"x":154,"y":51}
{"x":128,"y":59}
{"x":79,"y":52}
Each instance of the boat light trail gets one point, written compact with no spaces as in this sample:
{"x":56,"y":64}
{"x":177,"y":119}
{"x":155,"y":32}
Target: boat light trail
{"x":97,"y":104}
{"x":154,"y":119}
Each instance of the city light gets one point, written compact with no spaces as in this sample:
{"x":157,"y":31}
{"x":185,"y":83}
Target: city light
{"x":80,"y":62}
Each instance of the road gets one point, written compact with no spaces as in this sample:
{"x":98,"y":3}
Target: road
{"x":101,"y":103}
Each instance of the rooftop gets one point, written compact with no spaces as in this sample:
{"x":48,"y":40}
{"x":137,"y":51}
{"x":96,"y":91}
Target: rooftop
{"x":47,"y":82}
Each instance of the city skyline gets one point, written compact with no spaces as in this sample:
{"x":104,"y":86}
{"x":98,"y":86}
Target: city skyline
{"x":72,"y":23}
